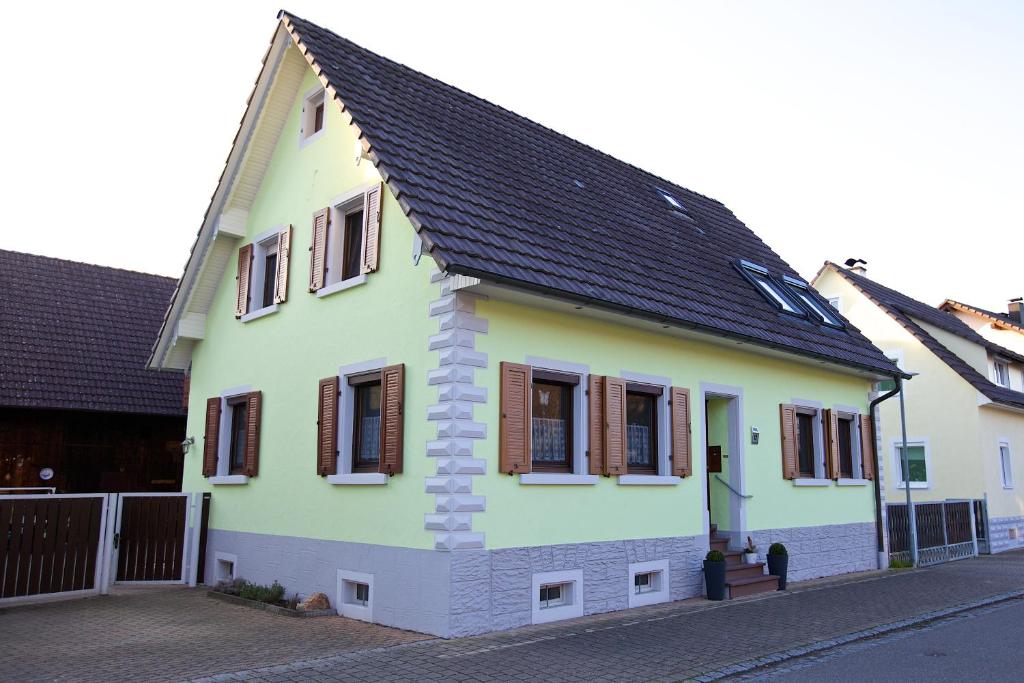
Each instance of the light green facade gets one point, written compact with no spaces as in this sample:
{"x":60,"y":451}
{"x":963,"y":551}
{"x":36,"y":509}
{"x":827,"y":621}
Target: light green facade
{"x":308,"y":338}
{"x":286,"y":353}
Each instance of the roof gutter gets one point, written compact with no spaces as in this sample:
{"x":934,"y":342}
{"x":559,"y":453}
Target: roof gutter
{"x":663,"y":320}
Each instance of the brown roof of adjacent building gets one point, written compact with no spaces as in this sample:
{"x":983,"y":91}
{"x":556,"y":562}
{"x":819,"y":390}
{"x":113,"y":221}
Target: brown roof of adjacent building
{"x":77,"y":336}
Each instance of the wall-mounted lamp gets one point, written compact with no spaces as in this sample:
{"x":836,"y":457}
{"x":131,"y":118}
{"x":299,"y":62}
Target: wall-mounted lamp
{"x":186,"y":444}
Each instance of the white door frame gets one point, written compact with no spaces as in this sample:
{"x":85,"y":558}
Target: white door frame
{"x":737,"y":455}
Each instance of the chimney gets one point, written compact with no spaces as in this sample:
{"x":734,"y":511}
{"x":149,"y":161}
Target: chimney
{"x":1016,"y":309}
{"x":858,"y":266}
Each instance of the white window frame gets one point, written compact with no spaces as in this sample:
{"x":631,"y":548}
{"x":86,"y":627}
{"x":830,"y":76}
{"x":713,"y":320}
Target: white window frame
{"x":836,"y":302}
{"x":263,"y":245}
{"x":309,"y":101}
{"x":820,"y":472}
{"x":349,"y":609}
{"x":856,"y":453}
{"x":1001,"y":378}
{"x":897,"y":461}
{"x":768,"y":286}
{"x":570,"y":610}
{"x":663,"y":456}
{"x":341,"y":206}
{"x":220,"y":558}
{"x":580,"y":433}
{"x":660,"y":593}
{"x":1006,"y":463}
{"x":346,"y":414}
{"x":223,"y":476}
{"x":803,"y":292}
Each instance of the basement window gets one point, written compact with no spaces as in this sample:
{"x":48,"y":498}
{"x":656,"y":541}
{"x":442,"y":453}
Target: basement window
{"x":313,"y":116}
{"x":648,"y":583}
{"x":355,"y":595}
{"x":769,"y":288}
{"x":557,"y":595}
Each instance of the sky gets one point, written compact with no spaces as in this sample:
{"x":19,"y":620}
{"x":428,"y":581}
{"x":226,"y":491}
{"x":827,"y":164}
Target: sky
{"x":887,"y":131}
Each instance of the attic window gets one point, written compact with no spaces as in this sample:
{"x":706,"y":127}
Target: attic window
{"x":807,"y":298}
{"x":672,"y":201}
{"x":769,"y":288}
{"x":313,"y":116}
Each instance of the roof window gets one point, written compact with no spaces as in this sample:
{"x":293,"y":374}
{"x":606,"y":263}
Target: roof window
{"x":811,"y":303}
{"x":769,"y":288}
{"x":672,"y":201}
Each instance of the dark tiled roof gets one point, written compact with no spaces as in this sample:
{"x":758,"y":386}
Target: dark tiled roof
{"x":499,"y":197}
{"x":76,"y":336}
{"x":1003,"y":318}
{"x":908,"y":312}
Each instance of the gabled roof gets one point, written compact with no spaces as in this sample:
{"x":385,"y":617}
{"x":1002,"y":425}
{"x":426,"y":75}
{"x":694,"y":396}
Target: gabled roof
{"x":908,"y":312}
{"x":1001,"y":319}
{"x":498,"y":197}
{"x":76,"y":336}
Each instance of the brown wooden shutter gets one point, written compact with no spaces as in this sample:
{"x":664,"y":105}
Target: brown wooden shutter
{"x":392,"y":400}
{"x":867,"y":448}
{"x":252,"y":434}
{"x":327,"y":427}
{"x":371,"y":229}
{"x":318,"y":249}
{"x":211,"y":441}
{"x":596,"y":422}
{"x":681,"y":443}
{"x":787,"y":419}
{"x":515,"y":445}
{"x":830,"y":421}
{"x":614,"y":426}
{"x":242,"y":280}
{"x":284,"y":246}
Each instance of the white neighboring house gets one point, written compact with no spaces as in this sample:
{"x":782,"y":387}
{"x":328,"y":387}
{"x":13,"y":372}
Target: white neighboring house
{"x":965,"y":407}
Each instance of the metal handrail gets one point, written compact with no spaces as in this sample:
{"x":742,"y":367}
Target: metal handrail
{"x":729,"y":486}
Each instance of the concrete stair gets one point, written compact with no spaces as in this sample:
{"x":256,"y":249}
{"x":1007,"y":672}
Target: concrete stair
{"x":742,"y":579}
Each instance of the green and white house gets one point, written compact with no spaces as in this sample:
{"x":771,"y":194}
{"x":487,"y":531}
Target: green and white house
{"x":461,"y":372}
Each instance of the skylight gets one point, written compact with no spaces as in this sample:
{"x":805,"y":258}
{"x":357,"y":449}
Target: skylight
{"x":672,"y":201}
{"x":803,"y":291}
{"x":769,"y":288}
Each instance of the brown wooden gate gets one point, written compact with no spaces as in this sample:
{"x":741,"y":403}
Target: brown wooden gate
{"x":150,"y":541}
{"x":49,"y":544}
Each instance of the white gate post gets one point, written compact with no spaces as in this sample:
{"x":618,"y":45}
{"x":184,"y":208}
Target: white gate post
{"x":974,"y":529}
{"x":196,"y":519}
{"x":112,"y":509}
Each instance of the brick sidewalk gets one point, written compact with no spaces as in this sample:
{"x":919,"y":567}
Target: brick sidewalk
{"x":175,"y":634}
{"x":677,"y":641}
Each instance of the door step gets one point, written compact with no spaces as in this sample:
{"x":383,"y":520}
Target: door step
{"x":751,"y":585}
{"x":744,"y":571}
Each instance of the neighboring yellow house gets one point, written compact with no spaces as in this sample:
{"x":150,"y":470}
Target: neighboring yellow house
{"x":965,"y":407}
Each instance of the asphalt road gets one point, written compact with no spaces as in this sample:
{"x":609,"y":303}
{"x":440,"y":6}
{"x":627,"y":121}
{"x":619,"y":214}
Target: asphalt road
{"x":982,"y":645}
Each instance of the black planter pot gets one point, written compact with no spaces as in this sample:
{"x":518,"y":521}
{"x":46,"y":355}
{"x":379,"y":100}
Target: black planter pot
{"x":777,"y":566}
{"x":714,"y":579}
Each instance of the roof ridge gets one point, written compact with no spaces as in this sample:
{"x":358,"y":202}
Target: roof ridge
{"x":88,"y":265}
{"x":506,"y":110}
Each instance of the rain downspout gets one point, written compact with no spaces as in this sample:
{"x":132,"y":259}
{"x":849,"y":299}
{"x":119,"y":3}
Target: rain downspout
{"x":879,"y":532}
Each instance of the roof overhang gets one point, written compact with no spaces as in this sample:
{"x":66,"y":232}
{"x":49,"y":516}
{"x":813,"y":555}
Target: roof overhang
{"x":952,"y":305}
{"x":485,"y":285}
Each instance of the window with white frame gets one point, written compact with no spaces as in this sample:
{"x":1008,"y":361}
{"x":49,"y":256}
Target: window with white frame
{"x":264,"y":273}
{"x":355,"y":595}
{"x":557,"y":595}
{"x":835,"y":302}
{"x":1001,"y":371}
{"x":916,"y":468}
{"x":644,"y":416}
{"x":808,"y":443}
{"x":231,"y":440}
{"x":345,"y":240}
{"x":1006,"y":464}
{"x":648,"y":583}
{"x":850,"y":466}
{"x":555,"y":426}
{"x":313,"y":115}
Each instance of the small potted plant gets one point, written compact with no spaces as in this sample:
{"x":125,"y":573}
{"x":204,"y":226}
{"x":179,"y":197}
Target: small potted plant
{"x":778,"y":563}
{"x":750,"y":552}
{"x":714,"y":575}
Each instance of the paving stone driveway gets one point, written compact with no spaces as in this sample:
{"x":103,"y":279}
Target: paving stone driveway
{"x":182,"y":634}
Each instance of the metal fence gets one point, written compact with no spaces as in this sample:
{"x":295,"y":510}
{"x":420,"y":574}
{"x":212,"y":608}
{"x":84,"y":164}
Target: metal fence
{"x":946,"y":530}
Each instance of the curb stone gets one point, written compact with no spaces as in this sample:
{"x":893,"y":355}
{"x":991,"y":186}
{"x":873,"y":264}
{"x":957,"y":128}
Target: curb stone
{"x":794,"y":653}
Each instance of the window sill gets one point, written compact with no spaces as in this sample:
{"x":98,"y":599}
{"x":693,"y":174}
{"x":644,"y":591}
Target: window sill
{"x":648,"y":480}
{"x":266,"y":310}
{"x":1008,"y":488}
{"x":811,"y":482}
{"x":341,"y":286}
{"x":309,"y":140}
{"x":564,"y":479}
{"x":914,"y":485}
{"x":853,"y":482}
{"x":229,"y":479}
{"x":358,"y":479}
